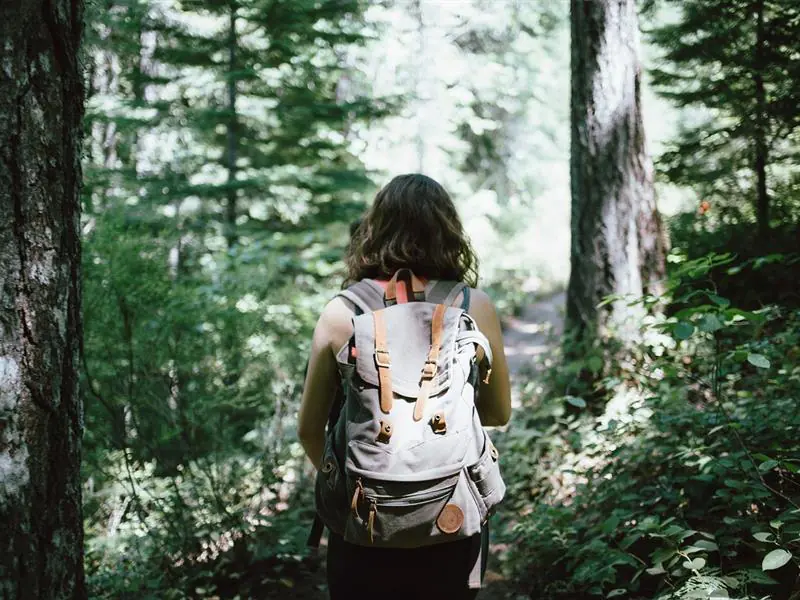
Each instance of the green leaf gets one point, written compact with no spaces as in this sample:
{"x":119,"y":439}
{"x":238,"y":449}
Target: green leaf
{"x":673,"y":530}
{"x":595,"y":364}
{"x":767,"y":465}
{"x":575,"y":401}
{"x":695,"y":565}
{"x":616,"y":592}
{"x":610,"y":524}
{"x":706,"y":545}
{"x":758,"y":360}
{"x":731,"y":582}
{"x":776,"y":559}
{"x":683,"y":330}
{"x":756,"y":576}
{"x":629,"y":540}
{"x":710,"y":323}
{"x":662,"y":554}
{"x":719,"y":300}
{"x":764,"y":536}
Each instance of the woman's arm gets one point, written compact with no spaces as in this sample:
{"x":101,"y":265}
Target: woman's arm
{"x":333,"y":330}
{"x":494,"y":398}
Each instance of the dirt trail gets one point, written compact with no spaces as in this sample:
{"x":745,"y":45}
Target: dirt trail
{"x":528,"y":338}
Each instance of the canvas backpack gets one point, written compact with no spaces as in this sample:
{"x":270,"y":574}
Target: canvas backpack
{"x":406,"y":461}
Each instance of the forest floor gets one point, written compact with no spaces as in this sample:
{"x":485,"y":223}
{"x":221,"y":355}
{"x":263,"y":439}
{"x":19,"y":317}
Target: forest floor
{"x":528,"y":338}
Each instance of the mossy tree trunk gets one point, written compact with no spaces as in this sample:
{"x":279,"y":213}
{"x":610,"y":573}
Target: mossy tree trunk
{"x":617,"y":240}
{"x":41,"y":107}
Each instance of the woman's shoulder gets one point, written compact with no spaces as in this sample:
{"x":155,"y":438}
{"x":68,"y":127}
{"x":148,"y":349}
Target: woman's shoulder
{"x":335,"y":324}
{"x":479,"y":301}
{"x":479,"y":297}
{"x":481,"y":307}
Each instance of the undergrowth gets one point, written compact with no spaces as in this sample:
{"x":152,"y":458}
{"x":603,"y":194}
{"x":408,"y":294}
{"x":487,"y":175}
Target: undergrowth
{"x":677,"y":475}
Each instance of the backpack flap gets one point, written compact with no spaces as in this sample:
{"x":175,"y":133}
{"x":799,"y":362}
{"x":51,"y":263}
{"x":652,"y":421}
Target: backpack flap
{"x":408,"y":342}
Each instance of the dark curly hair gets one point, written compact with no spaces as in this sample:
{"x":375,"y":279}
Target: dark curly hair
{"x":412,"y":224}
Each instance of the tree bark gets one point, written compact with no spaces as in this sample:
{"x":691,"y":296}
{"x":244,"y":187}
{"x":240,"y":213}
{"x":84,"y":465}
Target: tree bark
{"x":617,"y":239}
{"x":41,"y":420}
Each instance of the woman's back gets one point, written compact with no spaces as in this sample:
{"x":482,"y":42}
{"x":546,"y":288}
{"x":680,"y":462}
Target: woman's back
{"x":411,"y":225}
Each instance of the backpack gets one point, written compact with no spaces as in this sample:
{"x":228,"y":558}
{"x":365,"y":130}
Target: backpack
{"x":406,"y":461}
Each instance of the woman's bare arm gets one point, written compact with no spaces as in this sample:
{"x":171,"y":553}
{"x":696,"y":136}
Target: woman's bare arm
{"x":333,"y":330}
{"x":494,"y":403}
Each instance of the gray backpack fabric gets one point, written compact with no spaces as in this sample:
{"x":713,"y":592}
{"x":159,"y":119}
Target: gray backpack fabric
{"x":406,"y":460}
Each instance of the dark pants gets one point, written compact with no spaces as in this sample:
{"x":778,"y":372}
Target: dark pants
{"x":437,"y":572}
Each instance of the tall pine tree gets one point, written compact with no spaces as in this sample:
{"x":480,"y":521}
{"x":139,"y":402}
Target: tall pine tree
{"x":738,"y":60}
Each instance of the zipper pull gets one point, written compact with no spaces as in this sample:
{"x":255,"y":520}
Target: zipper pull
{"x":373,"y":509}
{"x":359,"y":491}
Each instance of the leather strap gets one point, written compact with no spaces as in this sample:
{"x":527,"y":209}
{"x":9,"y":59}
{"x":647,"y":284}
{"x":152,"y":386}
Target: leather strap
{"x":476,"y":337}
{"x":383,"y":362}
{"x":417,"y":287}
{"x":431,"y":362}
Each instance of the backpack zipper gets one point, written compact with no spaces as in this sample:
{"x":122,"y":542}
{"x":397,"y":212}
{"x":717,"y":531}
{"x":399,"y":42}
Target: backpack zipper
{"x":409,"y":500}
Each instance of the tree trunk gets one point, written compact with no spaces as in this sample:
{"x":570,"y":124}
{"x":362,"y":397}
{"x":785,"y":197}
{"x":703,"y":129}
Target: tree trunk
{"x":41,"y":107}
{"x":762,"y":196}
{"x":617,"y":240}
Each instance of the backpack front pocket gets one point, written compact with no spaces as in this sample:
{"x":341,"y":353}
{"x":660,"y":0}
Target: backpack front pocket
{"x":411,"y":514}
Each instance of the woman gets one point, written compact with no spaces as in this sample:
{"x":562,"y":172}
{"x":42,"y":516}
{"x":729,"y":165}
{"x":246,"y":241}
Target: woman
{"x":412,"y":224}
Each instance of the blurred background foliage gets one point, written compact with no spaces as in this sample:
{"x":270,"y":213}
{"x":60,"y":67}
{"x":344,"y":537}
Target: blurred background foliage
{"x":230,"y":144}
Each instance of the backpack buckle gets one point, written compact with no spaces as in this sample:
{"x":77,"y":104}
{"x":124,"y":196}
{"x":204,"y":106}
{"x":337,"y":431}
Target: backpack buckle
{"x":429,"y":370}
{"x":382,"y":362}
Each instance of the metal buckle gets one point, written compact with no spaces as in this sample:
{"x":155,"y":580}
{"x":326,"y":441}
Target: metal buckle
{"x":429,"y":370}
{"x":385,"y":363}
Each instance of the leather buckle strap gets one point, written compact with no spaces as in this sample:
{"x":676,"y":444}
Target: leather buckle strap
{"x":431,"y":366}
{"x":417,"y":287}
{"x":383,"y":362}
{"x":429,"y":370}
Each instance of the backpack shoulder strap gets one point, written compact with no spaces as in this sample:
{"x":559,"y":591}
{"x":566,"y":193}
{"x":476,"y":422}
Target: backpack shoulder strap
{"x":364,"y":295}
{"x":445,"y":292}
